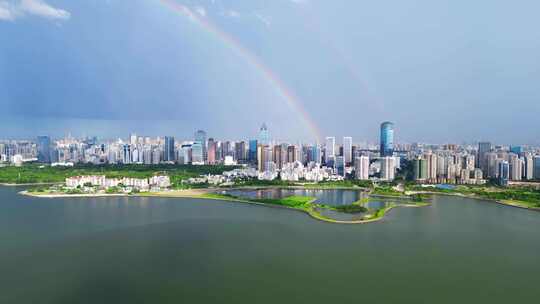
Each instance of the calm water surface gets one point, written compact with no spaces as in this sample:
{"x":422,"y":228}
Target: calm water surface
{"x":150,"y":250}
{"x":333,"y":197}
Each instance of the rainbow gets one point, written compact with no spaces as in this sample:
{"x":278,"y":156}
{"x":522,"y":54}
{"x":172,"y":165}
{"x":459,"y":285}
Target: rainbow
{"x":287,"y":95}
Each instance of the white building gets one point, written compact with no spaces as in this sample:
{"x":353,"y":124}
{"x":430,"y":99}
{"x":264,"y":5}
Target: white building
{"x":330,"y":148}
{"x":361,"y":167}
{"x":388,"y":168}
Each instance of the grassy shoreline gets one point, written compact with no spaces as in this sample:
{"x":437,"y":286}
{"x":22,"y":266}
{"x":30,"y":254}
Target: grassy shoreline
{"x":509,"y":203}
{"x":383,"y":192}
{"x":297,"y":203}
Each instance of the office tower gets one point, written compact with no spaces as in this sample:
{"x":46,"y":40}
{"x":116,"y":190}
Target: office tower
{"x":316,"y":154}
{"x":268,"y":156}
{"x":516,"y":166}
{"x":503,"y":173}
{"x":387,"y":139}
{"x":226,"y":149}
{"x":260,"y":158}
{"x":200,"y":137}
{"x":491,"y":168}
{"x":44,"y":149}
{"x":126,"y":154}
{"x":278,"y":160}
{"x":483,"y":149}
{"x":252,"y":155}
{"x":536,"y":168}
{"x":340,"y":165}
{"x":169,"y":154}
{"x":354,"y":154}
{"x":528,"y":173}
{"x":329,"y":149}
{"x":420,"y":169}
{"x":212,"y":151}
{"x":388,"y":168}
{"x":186,"y":154}
{"x":197,"y":153}
{"x":347,"y":149}
{"x":291,"y":154}
{"x":240,"y":151}
{"x":361,"y":167}
{"x":264,"y":135}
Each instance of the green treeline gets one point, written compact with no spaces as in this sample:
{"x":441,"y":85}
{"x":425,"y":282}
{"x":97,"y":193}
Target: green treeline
{"x":36,"y":173}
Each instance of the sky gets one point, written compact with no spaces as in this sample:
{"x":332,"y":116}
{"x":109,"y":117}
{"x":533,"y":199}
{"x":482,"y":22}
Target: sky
{"x":443,"y":71}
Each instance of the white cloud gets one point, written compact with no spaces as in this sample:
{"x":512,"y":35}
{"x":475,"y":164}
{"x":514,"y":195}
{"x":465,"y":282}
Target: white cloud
{"x":299,"y":1}
{"x":200,"y":10}
{"x":5,"y":11}
{"x":11,"y":10}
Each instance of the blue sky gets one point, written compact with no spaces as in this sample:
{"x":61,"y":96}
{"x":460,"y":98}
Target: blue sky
{"x":443,"y":71}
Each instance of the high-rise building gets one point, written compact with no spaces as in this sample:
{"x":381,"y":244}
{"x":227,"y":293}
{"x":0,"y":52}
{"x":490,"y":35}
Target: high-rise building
{"x":340,"y":165}
{"x":126,"y":154}
{"x":388,"y":168}
{"x":197,"y":153}
{"x":212,"y":151}
{"x":44,"y":149}
{"x":169,"y":154}
{"x":420,"y":169}
{"x":200,"y":137}
{"x":278,"y":160}
{"x":490,"y":164}
{"x":387,"y":139}
{"x":536,"y":167}
{"x":330,"y":149}
{"x":528,"y":172}
{"x":431,"y":162}
{"x":516,"y":166}
{"x":252,"y":155}
{"x":503,"y":173}
{"x":361,"y":167}
{"x":316,"y":154}
{"x":291,"y":154}
{"x":347,"y":149}
{"x":264,"y":135}
{"x":240,"y":151}
{"x":483,"y":149}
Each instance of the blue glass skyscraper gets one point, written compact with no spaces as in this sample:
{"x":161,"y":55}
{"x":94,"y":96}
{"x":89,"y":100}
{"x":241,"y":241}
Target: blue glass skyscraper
{"x":169,"y":153}
{"x":44,"y":149}
{"x":504,"y":173}
{"x":252,"y":155}
{"x":387,"y":139}
{"x":200,"y":137}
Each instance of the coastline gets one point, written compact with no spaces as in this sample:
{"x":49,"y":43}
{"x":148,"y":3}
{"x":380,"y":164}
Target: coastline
{"x":28,"y":184}
{"x":515,"y":204}
{"x":203,"y":194}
